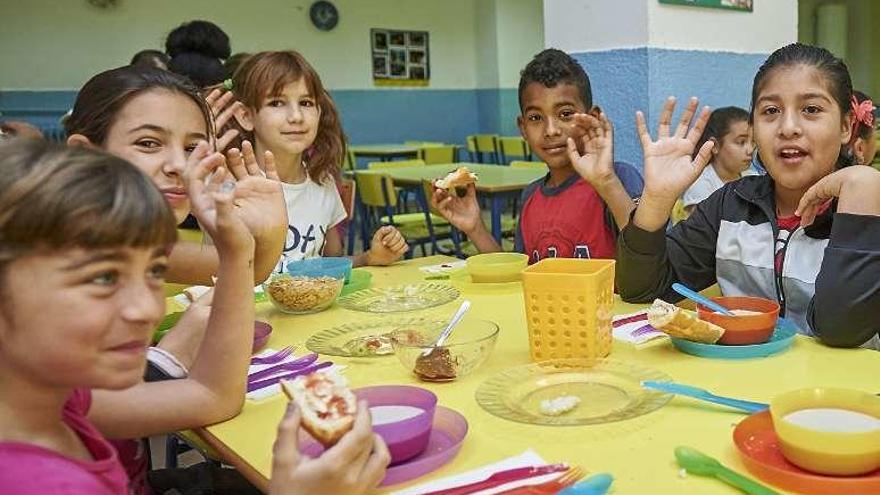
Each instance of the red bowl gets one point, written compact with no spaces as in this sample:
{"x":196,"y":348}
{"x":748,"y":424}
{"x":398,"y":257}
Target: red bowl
{"x":262,"y":331}
{"x":743,"y":329}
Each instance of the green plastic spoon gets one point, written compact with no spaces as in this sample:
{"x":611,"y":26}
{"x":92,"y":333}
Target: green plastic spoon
{"x":696,"y":462}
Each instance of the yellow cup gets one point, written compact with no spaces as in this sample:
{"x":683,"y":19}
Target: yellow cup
{"x":569,"y":305}
{"x":827,"y":452}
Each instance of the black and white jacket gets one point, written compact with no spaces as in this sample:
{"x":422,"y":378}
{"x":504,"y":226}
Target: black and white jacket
{"x":829,"y":284}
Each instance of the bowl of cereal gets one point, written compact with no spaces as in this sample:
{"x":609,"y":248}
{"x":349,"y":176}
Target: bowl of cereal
{"x":309,"y":286}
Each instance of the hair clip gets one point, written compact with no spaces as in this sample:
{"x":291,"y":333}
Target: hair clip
{"x":228,"y":84}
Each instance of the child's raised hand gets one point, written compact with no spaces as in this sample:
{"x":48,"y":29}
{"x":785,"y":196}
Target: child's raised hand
{"x":669,"y":168}
{"x":388,"y":245}
{"x":259,"y":199}
{"x":596,"y":163}
{"x":463,"y":213}
{"x":223,"y":107}
{"x":211,"y":200}
{"x":855,"y":186}
{"x":353,"y":466}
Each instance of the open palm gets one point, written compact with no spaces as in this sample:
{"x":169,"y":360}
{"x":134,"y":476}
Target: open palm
{"x":669,"y":166}
{"x":259,"y":199}
{"x":596,"y":164}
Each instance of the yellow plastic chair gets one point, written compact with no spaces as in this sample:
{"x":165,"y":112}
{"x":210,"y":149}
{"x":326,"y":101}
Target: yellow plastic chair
{"x":479,"y":145}
{"x":432,"y":155}
{"x":514,"y":147}
{"x":395,"y":164}
{"x":376,"y":192}
{"x":525,"y":164}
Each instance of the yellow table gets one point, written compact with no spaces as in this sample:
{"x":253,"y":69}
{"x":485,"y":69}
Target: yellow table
{"x":638,"y":452}
{"x":384,"y":152}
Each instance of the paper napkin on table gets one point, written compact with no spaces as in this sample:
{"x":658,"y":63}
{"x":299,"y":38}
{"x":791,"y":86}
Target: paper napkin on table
{"x":634,"y":328}
{"x":276,"y":388}
{"x":443,"y":268}
{"x":526,"y":459}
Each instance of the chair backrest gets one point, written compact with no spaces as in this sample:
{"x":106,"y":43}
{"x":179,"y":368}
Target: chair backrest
{"x":525,"y":164}
{"x":347,"y":190}
{"x":349,"y":162}
{"x":513,"y":147}
{"x":395,"y":164}
{"x":376,"y":190}
{"x":480,"y":144}
{"x":439,"y":154}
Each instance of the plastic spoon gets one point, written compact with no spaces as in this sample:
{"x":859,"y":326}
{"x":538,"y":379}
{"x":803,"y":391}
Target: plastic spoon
{"x":705,"y":301}
{"x":701,"y":394}
{"x":465,"y":305}
{"x":598,"y":484}
{"x":696,"y":462}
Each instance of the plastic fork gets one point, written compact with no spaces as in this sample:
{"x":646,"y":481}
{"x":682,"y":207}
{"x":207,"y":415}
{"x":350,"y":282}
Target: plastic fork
{"x":501,"y":478}
{"x":257,"y":385}
{"x":551,"y":487}
{"x":287,"y":366}
{"x":275,"y":357}
{"x":701,"y":394}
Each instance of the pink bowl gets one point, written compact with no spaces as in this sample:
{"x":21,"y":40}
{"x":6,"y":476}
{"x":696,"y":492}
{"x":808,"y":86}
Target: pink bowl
{"x":408,"y":437}
{"x":262,"y":331}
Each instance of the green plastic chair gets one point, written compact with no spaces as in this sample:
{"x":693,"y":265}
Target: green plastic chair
{"x":376,"y":192}
{"x":514,"y":148}
{"x":433,"y":155}
{"x":480,"y":146}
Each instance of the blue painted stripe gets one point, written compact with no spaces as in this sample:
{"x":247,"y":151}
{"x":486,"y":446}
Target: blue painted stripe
{"x":626,"y":80}
{"x":368,"y":116}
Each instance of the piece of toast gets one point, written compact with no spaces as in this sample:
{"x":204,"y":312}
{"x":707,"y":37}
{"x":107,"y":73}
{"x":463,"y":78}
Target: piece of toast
{"x":681,"y":323}
{"x":328,"y":407}
{"x":460,"y":177}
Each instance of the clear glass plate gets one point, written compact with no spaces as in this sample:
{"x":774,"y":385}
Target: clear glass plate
{"x":363,"y":339}
{"x":399,"y":298}
{"x":608,"y":390}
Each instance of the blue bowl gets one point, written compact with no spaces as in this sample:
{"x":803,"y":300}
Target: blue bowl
{"x":781,"y":340}
{"x":321,"y":267}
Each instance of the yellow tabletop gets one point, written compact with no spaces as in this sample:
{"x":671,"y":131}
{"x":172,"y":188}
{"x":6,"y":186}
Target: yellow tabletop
{"x":638,"y":452}
{"x":384,"y":150}
{"x":493,"y":178}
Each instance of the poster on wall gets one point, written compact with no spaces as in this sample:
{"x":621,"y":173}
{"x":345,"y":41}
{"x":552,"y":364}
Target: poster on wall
{"x":400,"y":58}
{"x":742,"y":5}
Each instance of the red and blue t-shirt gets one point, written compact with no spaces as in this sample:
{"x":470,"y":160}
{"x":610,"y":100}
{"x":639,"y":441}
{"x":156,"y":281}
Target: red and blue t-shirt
{"x":570,"y":220}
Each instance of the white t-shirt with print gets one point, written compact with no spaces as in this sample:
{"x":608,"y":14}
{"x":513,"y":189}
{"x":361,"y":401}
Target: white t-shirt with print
{"x":707,"y":183}
{"x":312,"y":210}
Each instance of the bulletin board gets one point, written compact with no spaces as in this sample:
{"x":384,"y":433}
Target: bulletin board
{"x":400,"y":58}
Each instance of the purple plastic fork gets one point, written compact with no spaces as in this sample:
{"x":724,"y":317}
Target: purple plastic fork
{"x":272,"y":381}
{"x":275,"y":357}
{"x":645,"y":330}
{"x":288,"y":366}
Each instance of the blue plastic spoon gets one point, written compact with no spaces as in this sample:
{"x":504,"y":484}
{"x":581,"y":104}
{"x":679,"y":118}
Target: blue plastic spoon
{"x":705,"y":301}
{"x":698,"y":393}
{"x":598,"y":484}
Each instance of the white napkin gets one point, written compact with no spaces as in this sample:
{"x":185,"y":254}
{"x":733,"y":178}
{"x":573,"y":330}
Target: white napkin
{"x":526,"y":459}
{"x":276,"y":388}
{"x":634,"y":328}
{"x":443,"y":268}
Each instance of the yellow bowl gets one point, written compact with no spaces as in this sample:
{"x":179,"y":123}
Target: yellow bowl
{"x":497,"y":267}
{"x":822,"y":451}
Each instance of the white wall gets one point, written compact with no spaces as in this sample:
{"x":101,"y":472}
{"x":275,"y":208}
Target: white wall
{"x":770,"y":25}
{"x":591,"y":25}
{"x":46,"y":44}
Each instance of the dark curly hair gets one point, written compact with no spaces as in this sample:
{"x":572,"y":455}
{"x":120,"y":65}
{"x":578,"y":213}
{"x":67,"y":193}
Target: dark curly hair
{"x":552,"y":67}
{"x":197,"y":50}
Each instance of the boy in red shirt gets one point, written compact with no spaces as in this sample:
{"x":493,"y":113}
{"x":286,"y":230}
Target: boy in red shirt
{"x":572,"y":211}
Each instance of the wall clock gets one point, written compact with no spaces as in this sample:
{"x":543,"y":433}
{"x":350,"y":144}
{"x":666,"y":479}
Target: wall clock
{"x":324,"y":15}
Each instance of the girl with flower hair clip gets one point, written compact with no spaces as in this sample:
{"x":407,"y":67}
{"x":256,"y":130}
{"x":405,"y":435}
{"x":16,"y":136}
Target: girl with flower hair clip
{"x":863,"y":144}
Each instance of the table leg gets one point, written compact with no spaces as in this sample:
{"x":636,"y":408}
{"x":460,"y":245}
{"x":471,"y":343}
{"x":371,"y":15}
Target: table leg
{"x":496,"y":217}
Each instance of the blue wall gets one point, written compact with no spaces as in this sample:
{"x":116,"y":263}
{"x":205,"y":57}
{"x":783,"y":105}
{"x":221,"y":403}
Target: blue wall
{"x":626,"y":80}
{"x":369,"y":116}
